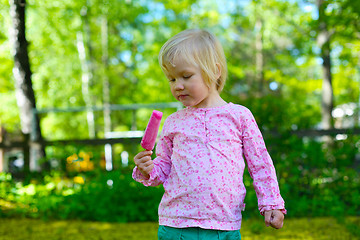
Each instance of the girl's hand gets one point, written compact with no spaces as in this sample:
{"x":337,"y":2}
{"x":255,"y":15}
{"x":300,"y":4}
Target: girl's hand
{"x":144,"y":163}
{"x":274,"y":218}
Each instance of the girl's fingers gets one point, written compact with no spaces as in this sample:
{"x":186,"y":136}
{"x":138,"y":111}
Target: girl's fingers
{"x":143,"y":157}
{"x":149,"y":168}
{"x":146,"y":170}
{"x":267,"y":216}
{"x":145,"y":153}
{"x":277,"y":219}
{"x":147,"y":163}
{"x":144,"y":162}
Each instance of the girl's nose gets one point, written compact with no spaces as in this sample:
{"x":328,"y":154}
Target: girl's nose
{"x":179,"y":85}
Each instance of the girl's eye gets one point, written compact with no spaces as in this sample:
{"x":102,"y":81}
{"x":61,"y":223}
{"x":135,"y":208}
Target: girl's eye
{"x":187,"y":76}
{"x":171,"y":80}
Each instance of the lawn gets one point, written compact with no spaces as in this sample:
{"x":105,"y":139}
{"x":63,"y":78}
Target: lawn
{"x":317,"y":228}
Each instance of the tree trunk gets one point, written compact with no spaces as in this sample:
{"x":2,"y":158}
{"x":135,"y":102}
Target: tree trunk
{"x":106,"y":84}
{"x":30,"y":123}
{"x":87,"y":70}
{"x":106,"y":87}
{"x":323,"y":40}
{"x":86,"y":77}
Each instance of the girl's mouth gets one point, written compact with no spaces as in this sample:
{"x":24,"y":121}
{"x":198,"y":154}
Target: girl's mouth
{"x":183,"y":96}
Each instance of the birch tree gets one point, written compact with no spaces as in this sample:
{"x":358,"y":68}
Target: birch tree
{"x":30,"y":123}
{"x":323,"y":41}
{"x":84,"y":46}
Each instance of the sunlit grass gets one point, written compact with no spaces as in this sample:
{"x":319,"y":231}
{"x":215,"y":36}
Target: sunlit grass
{"x":317,"y":228}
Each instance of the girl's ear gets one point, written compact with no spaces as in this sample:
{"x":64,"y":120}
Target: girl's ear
{"x":218,"y":73}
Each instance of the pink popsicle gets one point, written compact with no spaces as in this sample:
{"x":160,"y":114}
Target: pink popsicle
{"x":149,"y":138}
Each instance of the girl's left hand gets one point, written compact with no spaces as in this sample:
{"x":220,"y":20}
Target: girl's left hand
{"x":274,"y":218}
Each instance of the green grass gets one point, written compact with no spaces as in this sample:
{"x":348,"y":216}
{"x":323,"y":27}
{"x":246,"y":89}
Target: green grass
{"x":317,"y":228}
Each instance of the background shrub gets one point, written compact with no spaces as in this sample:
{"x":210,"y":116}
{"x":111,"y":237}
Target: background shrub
{"x":314,"y":181}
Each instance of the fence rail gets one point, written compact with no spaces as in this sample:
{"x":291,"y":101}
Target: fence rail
{"x":113,"y":107}
{"x":321,"y":132}
{"x":100,"y":141}
{"x":136,"y":139}
{"x":131,"y":137}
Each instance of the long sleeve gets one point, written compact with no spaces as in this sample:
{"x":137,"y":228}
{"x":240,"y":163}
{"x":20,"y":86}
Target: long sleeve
{"x":260,"y":167}
{"x":162,"y":163}
{"x":200,"y":163}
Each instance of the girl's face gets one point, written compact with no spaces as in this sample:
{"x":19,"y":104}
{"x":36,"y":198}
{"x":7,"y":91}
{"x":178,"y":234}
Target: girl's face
{"x":188,"y":86}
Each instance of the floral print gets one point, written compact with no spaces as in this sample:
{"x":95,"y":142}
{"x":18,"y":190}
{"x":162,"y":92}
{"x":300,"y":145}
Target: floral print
{"x":200,"y":162}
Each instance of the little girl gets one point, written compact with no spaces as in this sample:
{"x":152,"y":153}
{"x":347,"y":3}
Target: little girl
{"x":201,"y":151}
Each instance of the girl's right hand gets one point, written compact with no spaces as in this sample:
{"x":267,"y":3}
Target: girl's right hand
{"x":274,"y":218}
{"x":144,"y":163}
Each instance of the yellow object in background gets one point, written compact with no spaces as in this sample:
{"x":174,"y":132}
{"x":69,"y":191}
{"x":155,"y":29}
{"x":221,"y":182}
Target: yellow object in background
{"x":80,"y":162}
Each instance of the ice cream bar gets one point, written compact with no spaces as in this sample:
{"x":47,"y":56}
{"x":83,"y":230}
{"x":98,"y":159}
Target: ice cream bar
{"x":149,"y":138}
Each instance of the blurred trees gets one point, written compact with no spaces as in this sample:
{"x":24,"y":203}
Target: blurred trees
{"x":338,"y":22}
{"x":275,"y":66}
{"x":274,"y":60}
{"x":268,"y":65}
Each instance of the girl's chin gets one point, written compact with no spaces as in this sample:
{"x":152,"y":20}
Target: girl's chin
{"x":189,"y":103}
{"x":193,"y":105}
{"x":185,"y":103}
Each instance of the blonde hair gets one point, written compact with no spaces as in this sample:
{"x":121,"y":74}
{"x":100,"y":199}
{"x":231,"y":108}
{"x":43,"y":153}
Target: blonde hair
{"x":199,"y":48}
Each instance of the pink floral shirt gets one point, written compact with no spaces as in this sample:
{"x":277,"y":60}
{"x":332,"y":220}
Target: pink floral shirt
{"x":200,"y":162}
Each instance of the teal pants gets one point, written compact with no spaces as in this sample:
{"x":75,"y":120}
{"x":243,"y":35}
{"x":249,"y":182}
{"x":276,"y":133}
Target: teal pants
{"x":195,"y":233}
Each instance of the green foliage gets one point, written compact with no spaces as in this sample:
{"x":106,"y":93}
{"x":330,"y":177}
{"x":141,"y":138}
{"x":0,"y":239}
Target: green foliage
{"x":137,"y":30}
{"x":279,"y":112}
{"x":112,"y":197}
{"x":314,"y":180}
